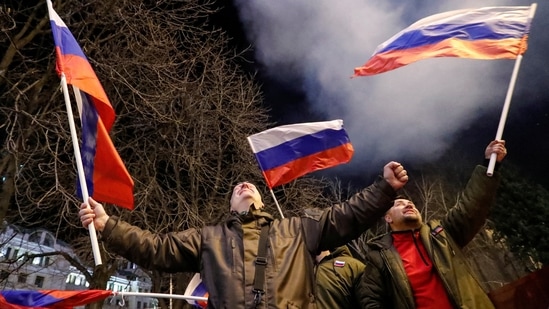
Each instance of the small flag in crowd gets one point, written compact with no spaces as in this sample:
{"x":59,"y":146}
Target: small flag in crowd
{"x":287,"y":152}
{"x":197,"y":288}
{"x":20,"y":299}
{"x":485,"y":33}
{"x":107,"y":179}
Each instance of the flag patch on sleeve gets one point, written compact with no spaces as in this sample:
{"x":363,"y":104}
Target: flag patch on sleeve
{"x":338,"y":263}
{"x":437,"y":230}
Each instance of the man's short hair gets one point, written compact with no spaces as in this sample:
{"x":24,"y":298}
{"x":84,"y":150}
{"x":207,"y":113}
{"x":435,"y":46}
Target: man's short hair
{"x":402,"y":196}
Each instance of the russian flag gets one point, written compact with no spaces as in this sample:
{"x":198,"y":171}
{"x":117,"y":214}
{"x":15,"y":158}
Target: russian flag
{"x":19,"y":299}
{"x":106,"y":176}
{"x":197,"y":288}
{"x":485,"y":33}
{"x":287,"y":152}
{"x":339,"y":263}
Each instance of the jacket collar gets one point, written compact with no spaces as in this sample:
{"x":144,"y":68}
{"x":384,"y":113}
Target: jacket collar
{"x":257,"y":215}
{"x":338,"y":252}
{"x":385,"y":241}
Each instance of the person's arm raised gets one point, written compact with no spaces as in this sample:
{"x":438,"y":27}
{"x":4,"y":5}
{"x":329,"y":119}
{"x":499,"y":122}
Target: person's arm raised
{"x":395,"y":174}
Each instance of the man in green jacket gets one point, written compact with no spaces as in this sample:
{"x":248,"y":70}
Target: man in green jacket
{"x":337,"y":276}
{"x":421,"y":265}
{"x":225,"y":254}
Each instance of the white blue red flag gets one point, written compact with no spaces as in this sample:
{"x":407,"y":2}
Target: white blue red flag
{"x":485,"y":33}
{"x":107,"y":179}
{"x":287,"y":152}
{"x":339,"y":263}
{"x":20,"y":299}
{"x":197,"y":288}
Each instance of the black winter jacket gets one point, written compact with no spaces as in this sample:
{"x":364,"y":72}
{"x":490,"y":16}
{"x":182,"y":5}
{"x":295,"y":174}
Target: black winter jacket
{"x":224,"y":254}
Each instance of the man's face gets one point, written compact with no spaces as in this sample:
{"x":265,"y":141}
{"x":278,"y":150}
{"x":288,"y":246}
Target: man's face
{"x":244,"y":195}
{"x":403,"y":215}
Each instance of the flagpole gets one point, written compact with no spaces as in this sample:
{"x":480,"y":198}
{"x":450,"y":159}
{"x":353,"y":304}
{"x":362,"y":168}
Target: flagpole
{"x":504,"y":113}
{"x":276,"y":202}
{"x":80,"y":168}
{"x":160,"y":295}
{"x":506,"y":105}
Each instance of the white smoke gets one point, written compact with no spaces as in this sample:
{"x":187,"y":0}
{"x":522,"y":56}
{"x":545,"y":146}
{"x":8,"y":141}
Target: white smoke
{"x":411,"y":113}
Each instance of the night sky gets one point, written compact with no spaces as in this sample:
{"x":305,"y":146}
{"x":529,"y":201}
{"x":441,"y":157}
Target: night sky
{"x":305,"y":51}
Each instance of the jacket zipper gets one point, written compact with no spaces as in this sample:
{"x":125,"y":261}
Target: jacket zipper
{"x":450,"y":292}
{"x":233,"y":246}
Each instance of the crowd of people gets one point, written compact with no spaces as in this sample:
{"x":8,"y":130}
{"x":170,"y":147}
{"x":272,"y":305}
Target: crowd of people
{"x":253,"y":260}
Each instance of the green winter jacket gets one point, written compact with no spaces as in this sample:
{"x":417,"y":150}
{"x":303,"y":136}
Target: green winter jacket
{"x":337,"y":278}
{"x":385,"y":283}
{"x":224,"y":254}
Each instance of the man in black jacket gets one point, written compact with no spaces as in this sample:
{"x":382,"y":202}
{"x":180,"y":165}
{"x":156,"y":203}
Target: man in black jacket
{"x":226,"y":254}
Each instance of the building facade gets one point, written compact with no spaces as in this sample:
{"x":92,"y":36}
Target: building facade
{"x":30,"y":260}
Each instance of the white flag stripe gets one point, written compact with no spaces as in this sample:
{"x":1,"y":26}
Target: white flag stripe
{"x":54,"y":17}
{"x":276,"y":136}
{"x":500,"y":13}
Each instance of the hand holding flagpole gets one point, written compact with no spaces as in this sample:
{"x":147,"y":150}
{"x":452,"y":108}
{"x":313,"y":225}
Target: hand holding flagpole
{"x":101,"y":172}
{"x":80,"y":168}
{"x":432,"y":37}
{"x":505,"y":111}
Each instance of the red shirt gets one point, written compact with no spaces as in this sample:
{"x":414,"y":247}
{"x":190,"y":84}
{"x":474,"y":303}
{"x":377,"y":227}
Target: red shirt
{"x":429,"y":292}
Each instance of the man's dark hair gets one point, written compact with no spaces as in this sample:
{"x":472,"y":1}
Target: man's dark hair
{"x":402,"y":196}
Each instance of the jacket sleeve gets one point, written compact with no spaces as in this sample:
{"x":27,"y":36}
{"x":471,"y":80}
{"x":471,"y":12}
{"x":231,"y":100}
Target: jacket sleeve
{"x":341,"y":223}
{"x":370,"y":292}
{"x":469,"y":215}
{"x":171,"y":252}
{"x":356,"y":280}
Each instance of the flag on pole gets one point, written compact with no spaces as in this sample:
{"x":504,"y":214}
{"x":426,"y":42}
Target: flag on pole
{"x":107,"y":179}
{"x":197,"y":288}
{"x":485,"y":33}
{"x":19,"y":299}
{"x":287,"y":152}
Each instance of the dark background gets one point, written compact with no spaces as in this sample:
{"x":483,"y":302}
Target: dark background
{"x":414,"y":114}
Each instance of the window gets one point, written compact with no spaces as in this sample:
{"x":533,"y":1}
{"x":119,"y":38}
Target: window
{"x":48,"y":240}
{"x":15,"y":254}
{"x":41,"y":260}
{"x":35,"y":237}
{"x":39,"y":281}
{"x":138,"y":305}
{"x":5,"y":253}
{"x":22,"y":278}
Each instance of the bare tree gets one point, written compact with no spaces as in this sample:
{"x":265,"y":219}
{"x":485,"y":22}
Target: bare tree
{"x":184,"y":109}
